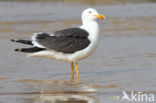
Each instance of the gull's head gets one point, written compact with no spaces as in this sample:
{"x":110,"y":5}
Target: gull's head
{"x":91,"y":14}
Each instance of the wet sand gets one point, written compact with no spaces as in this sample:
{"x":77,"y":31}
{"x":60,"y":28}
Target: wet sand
{"x":124,"y":60}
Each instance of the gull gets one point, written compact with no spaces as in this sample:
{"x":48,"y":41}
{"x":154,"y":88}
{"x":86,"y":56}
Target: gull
{"x":69,"y":45}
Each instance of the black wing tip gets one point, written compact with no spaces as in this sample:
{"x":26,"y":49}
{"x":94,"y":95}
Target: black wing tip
{"x":18,"y":50}
{"x":29,"y":42}
{"x":13,"y":40}
{"x":29,"y":50}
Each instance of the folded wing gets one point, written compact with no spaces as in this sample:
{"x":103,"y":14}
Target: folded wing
{"x":66,"y":41}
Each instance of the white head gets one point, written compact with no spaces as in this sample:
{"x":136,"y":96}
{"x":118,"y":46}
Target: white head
{"x":91,"y":14}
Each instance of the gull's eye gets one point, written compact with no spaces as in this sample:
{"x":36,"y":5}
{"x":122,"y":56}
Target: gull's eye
{"x":89,"y":12}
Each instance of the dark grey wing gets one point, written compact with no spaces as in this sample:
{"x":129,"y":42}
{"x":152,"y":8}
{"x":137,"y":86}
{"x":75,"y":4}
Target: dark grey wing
{"x":75,"y":32}
{"x":66,"y":41}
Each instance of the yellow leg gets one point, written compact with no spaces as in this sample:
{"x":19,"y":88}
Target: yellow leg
{"x":77,"y":71}
{"x":72,"y":68}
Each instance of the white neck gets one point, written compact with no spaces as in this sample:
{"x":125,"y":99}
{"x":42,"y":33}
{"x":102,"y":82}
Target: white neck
{"x":92,"y":28}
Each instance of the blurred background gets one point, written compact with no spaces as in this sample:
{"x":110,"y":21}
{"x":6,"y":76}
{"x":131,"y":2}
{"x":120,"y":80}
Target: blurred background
{"x":89,"y":1}
{"x":124,"y":60}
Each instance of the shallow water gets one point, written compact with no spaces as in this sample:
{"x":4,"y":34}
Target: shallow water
{"x":124,"y":60}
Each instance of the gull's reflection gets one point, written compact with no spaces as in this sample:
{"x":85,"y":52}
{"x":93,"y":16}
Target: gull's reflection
{"x":64,"y":98}
{"x":60,"y":91}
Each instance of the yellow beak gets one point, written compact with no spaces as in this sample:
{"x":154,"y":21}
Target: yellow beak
{"x":100,"y":16}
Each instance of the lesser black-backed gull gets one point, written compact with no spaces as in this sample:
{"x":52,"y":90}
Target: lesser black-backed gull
{"x":69,"y":45}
